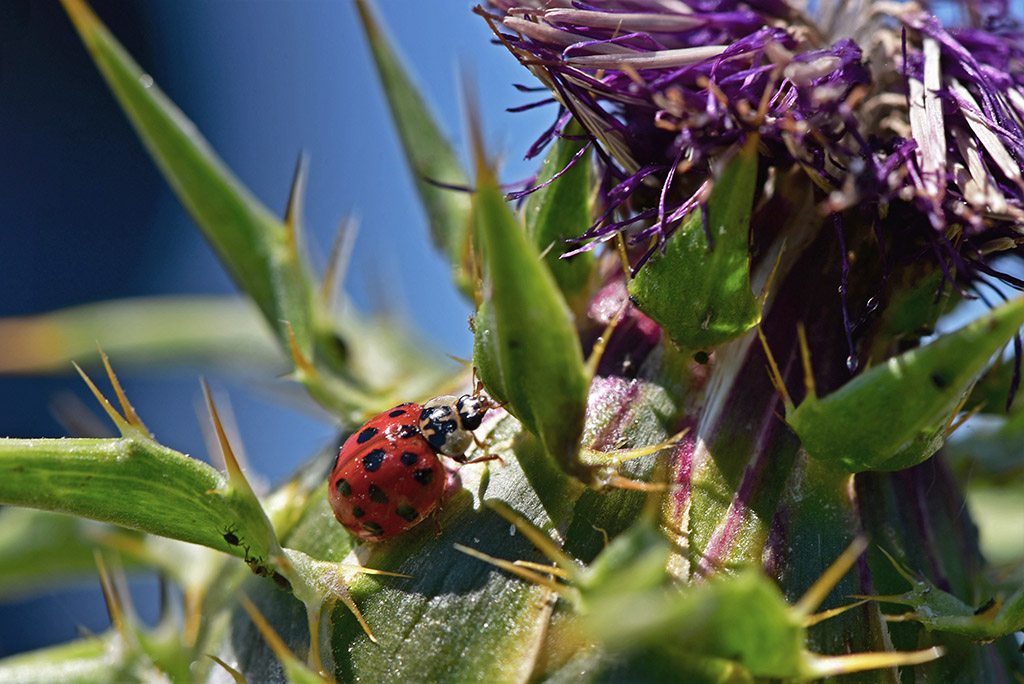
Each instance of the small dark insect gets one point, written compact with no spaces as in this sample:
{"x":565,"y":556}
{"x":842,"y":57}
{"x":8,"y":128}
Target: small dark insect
{"x":231,"y":538}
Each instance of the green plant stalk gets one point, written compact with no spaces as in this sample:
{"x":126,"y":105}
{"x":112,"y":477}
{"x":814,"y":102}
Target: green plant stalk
{"x":252,"y":242}
{"x":171,"y":494}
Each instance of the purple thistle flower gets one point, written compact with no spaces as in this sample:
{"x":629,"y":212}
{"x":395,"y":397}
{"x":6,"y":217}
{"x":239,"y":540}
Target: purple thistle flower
{"x":879,"y":105}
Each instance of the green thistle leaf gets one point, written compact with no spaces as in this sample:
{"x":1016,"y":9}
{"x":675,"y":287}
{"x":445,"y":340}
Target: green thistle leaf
{"x":896,"y":414}
{"x":172,"y":495}
{"x":941,"y":611}
{"x":700,"y":293}
{"x":251,"y":241}
{"x":561,"y":210}
{"x":431,"y":158}
{"x":528,"y":341}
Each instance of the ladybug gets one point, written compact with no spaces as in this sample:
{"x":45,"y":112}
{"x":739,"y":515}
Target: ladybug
{"x":388,"y":475}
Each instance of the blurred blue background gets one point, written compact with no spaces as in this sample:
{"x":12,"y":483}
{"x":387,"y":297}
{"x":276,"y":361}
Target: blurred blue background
{"x":86,"y":217}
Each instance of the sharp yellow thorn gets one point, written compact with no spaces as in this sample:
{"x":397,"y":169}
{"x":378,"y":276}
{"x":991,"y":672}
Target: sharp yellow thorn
{"x":773,"y":371}
{"x":82,"y":16}
{"x":814,"y":619}
{"x":900,"y":568}
{"x":821,"y":588}
{"x":825,"y":666}
{"x":805,"y":358}
{"x":597,"y":351}
{"x":620,"y":247}
{"x":529,"y":575}
{"x":119,"y":421}
{"x":234,"y":470}
{"x":463,"y":362}
{"x":771,"y":276}
{"x":338,"y":261}
{"x":545,"y":251}
{"x":110,"y":596}
{"x":955,"y":423}
{"x":278,"y":646}
{"x":623,"y":455}
{"x":474,"y":121}
{"x":537,"y":538}
{"x":192,"y":606}
{"x":313,"y":622}
{"x":302,"y":364}
{"x":541,"y":567}
{"x":231,"y":431}
{"x":351,"y":605}
{"x":296,"y":197}
{"x":122,"y":398}
{"x":235,"y":674}
{"x":230,"y":463}
{"x":373,"y":571}
{"x":881,"y":598}
{"x":620,"y":482}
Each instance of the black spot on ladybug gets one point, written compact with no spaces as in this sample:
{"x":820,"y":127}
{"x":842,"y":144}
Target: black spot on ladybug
{"x":377,"y":494}
{"x":358,"y":512}
{"x":407,"y":513}
{"x":396,"y":413}
{"x":373,"y":528}
{"x":409,"y":458}
{"x":343,"y":487}
{"x":437,"y":423}
{"x":939,"y":381}
{"x":439,"y":435}
{"x":424,"y":476}
{"x":366,"y":435}
{"x":372,"y":460}
{"x":406,"y":431}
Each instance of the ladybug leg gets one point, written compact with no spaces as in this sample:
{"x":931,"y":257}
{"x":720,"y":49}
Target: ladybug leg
{"x":484,"y":445}
{"x":486,"y":457}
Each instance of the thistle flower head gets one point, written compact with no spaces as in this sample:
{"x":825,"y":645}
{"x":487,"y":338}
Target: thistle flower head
{"x":886,"y":111}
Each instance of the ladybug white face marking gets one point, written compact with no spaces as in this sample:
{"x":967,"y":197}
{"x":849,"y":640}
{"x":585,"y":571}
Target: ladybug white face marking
{"x":448,"y":422}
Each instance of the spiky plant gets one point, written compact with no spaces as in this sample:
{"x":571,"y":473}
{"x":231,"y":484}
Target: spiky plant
{"x":720,"y":429}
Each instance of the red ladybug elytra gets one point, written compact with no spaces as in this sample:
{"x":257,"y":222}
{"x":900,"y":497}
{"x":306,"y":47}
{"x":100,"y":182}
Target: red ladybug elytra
{"x":388,"y":475}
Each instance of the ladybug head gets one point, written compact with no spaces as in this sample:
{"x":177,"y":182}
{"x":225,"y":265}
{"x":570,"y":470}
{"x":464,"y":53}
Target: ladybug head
{"x":471,"y":410}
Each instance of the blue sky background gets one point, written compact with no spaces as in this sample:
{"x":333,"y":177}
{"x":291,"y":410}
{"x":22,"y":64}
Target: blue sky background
{"x":86,"y":217}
